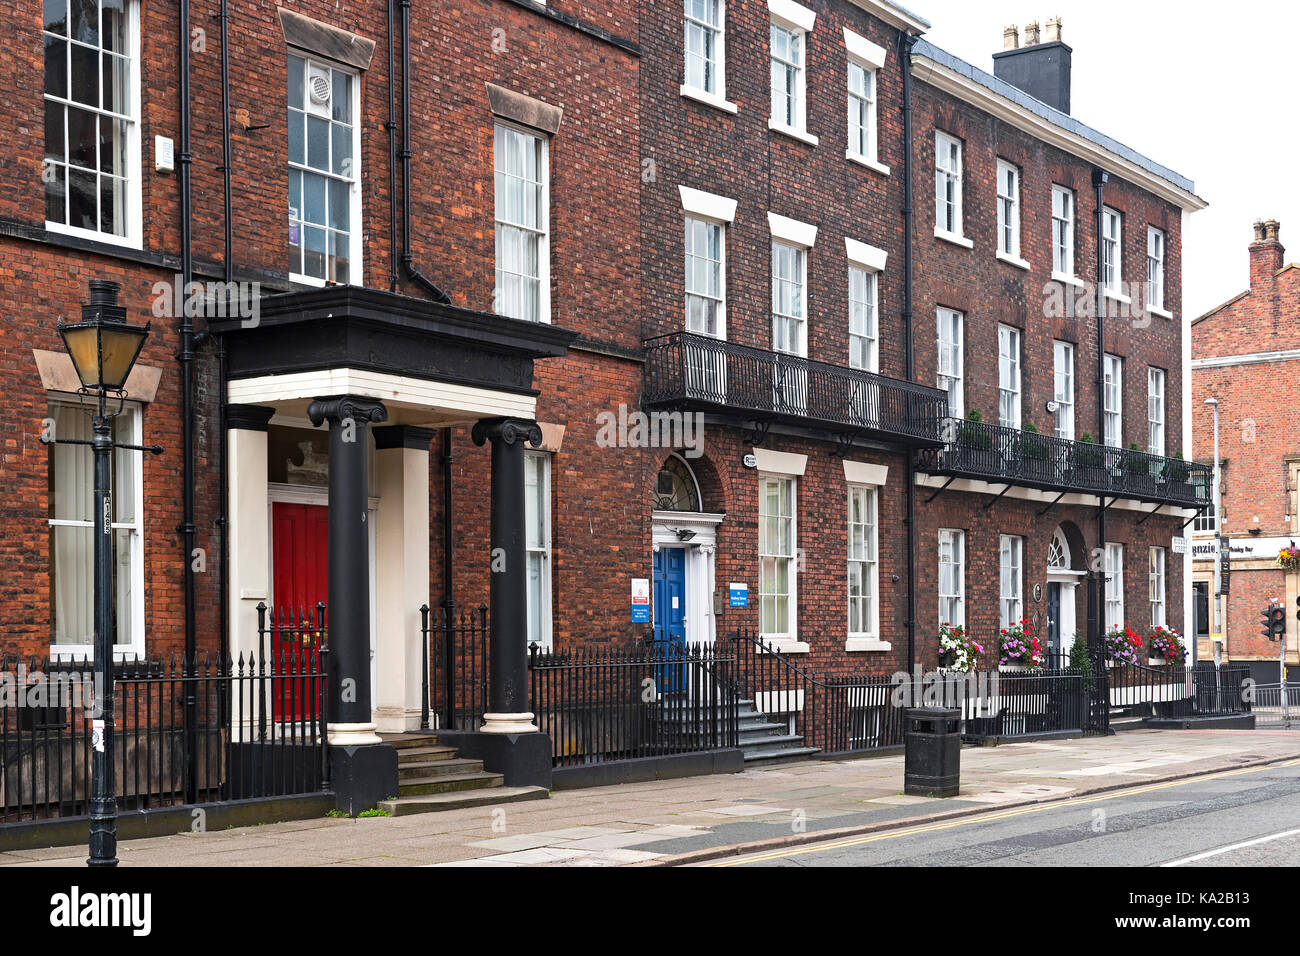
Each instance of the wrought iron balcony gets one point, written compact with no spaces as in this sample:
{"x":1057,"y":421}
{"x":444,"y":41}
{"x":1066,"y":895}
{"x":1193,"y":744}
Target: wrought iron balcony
{"x":699,"y":373}
{"x":1014,"y":457}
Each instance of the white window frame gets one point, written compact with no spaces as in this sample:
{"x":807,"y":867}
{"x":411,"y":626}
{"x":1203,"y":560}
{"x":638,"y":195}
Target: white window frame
{"x":720,"y":300}
{"x":1112,"y":251}
{"x":1156,"y":411}
{"x":541,"y":552}
{"x":718,"y":95}
{"x":1063,"y":388}
{"x":133,"y":214}
{"x":1156,"y":248}
{"x":1156,"y":585}
{"x":1008,"y":211}
{"x":795,"y":321}
{"x":1011,"y":580}
{"x":950,"y":326}
{"x":1063,"y":232}
{"x":1206,"y":522}
{"x":793,"y":90}
{"x":870,"y":59}
{"x":135,"y":648}
{"x":1009,"y":352}
{"x":1112,"y":429}
{"x":543,"y":230}
{"x":356,"y":229}
{"x":952,"y":551}
{"x":869,"y":604}
{"x":864,"y":318}
{"x":948,"y":188}
{"x":791,"y":498}
{"x":1114,"y":616}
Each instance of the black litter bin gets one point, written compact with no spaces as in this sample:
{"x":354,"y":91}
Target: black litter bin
{"x":932,"y":752}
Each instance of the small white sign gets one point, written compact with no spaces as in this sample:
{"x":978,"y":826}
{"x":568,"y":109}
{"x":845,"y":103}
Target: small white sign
{"x":1179,"y":545}
{"x":164,"y":156}
{"x":676,"y":602}
{"x":97,"y":735}
{"x":640,"y":590}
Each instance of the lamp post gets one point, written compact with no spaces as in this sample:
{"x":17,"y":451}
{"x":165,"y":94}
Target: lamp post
{"x":103,"y":348}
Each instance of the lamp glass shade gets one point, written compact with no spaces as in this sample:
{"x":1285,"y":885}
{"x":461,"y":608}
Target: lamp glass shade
{"x":103,"y":353}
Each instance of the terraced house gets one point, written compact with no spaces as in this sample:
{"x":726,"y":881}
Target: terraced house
{"x":541,"y":351}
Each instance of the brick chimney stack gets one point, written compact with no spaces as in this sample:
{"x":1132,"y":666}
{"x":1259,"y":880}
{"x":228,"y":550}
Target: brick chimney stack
{"x":1266,"y":254}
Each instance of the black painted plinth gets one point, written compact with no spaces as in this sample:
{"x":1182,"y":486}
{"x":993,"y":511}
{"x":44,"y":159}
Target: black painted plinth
{"x":524,"y":759}
{"x":362,"y":776}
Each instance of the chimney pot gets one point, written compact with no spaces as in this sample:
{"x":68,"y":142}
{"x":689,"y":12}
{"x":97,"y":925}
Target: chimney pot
{"x":1031,"y":34}
{"x":1271,"y":229}
{"x":1011,"y":38}
{"x":1054,"y":30}
{"x":1259,"y":230}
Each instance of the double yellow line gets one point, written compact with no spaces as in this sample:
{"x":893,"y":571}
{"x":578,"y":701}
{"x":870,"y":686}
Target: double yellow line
{"x":988,"y":817}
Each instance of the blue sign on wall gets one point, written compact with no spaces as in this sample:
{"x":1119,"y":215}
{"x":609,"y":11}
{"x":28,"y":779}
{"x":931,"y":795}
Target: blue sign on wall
{"x":739,"y":594}
{"x":640,"y":600}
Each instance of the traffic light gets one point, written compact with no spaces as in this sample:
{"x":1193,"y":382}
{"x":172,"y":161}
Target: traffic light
{"x":1266,"y":622}
{"x":1279,"y":623}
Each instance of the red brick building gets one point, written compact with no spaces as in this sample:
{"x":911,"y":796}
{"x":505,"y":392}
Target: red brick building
{"x":1241,"y":352}
{"x":607,"y":220}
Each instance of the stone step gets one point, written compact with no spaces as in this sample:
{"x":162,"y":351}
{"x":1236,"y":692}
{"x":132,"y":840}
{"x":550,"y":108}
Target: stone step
{"x":437,"y":768}
{"x":405,"y":741}
{"x":449,"y":783}
{"x":431,"y":803}
{"x":425,"y":754}
{"x":782,"y":755}
{"x":764,"y":734}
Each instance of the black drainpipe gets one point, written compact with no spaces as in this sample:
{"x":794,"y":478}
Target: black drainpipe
{"x":186,"y":359}
{"x":448,"y":539}
{"x":228,"y":273}
{"x":1099,"y":180}
{"x":412,"y":272}
{"x":392,"y":156}
{"x":905,"y":43}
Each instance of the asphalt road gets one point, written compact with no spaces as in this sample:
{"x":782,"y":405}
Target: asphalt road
{"x":1235,"y":818}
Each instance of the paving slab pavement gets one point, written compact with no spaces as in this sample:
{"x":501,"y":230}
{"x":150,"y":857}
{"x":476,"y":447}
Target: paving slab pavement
{"x":651,"y":823}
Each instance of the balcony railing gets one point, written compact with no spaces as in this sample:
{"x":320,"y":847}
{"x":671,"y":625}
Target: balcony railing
{"x":696,"y":372}
{"x":1013,"y":456}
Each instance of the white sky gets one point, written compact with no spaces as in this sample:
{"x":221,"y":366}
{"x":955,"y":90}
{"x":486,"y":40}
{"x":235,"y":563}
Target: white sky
{"x":1221,"y":109}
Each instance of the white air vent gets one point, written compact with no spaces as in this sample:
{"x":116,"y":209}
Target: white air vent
{"x":318,"y":92}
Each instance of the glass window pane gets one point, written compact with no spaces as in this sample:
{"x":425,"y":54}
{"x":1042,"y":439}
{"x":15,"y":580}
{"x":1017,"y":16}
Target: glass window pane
{"x":56,"y":16}
{"x":85,"y":75}
{"x":83,"y":131}
{"x":314,"y":252}
{"x":342,"y":155}
{"x":313,"y":198}
{"x":85,"y":21}
{"x":54,"y":144}
{"x":83,"y":199}
{"x":340,"y":205}
{"x":341,"y":98}
{"x":56,"y":193}
{"x":72,"y":585}
{"x":318,"y":143}
{"x":297,"y":145}
{"x":117,"y":73}
{"x":114,"y":25}
{"x":341,"y":257}
{"x":56,"y":67}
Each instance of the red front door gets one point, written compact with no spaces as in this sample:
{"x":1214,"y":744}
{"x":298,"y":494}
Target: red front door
{"x":300,"y":576}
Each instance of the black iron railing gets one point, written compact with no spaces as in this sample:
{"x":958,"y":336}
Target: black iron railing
{"x":838,"y":715}
{"x":455,"y":666}
{"x":260,"y":730}
{"x":1003,"y":454}
{"x":654,"y":699}
{"x":696,"y":372}
{"x":1179,"y":690}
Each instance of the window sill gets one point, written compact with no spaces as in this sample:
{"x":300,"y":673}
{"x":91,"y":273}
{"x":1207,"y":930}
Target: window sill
{"x":1164,"y":314}
{"x":855,"y":644}
{"x":1119,"y":297}
{"x":954,"y":238}
{"x":1013,"y":261}
{"x":793,"y":133}
{"x":869,"y":163}
{"x":108,"y":239}
{"x":709,"y":99}
{"x":1064,"y":279}
{"x":785,"y":645}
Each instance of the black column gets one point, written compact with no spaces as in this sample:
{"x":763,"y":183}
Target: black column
{"x":348,"y":615}
{"x":508,"y":615}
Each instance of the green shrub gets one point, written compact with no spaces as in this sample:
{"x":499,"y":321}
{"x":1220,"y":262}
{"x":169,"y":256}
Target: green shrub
{"x":1081,"y":663}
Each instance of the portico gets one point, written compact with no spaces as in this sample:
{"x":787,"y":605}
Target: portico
{"x":379,"y":373}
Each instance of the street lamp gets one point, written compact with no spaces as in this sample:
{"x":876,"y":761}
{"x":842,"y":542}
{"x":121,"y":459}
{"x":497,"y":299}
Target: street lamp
{"x":103,"y":348}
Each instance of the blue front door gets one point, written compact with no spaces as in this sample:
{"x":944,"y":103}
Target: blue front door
{"x":670,"y":613}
